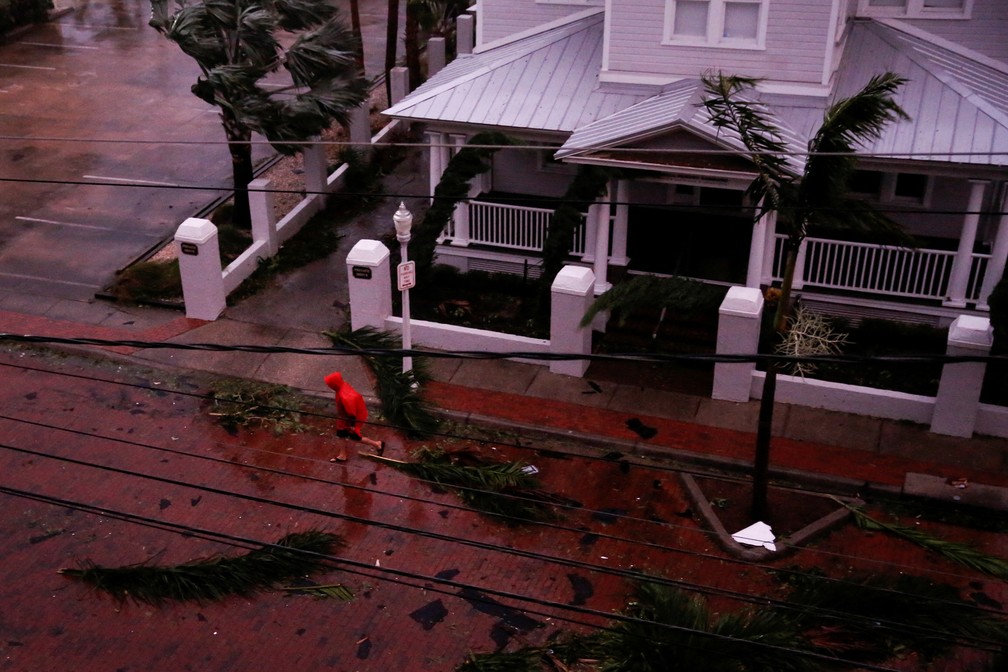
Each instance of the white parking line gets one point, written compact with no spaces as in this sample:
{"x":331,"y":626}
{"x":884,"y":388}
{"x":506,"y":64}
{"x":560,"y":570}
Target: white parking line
{"x":130,"y":180}
{"x":22,"y":276}
{"x":92,"y":227}
{"x":55,"y":45}
{"x":26,"y":67}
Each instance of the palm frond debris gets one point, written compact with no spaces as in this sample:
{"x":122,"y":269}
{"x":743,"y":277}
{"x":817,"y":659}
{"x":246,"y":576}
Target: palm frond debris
{"x":214,"y":578}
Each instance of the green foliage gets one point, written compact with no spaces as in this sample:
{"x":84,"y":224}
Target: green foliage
{"x":398,"y":391}
{"x":504,"y":489}
{"x":528,"y":659}
{"x":963,"y":554}
{"x":639,"y":292}
{"x":880,"y":616}
{"x":332,"y":591}
{"x":215,"y":578}
{"x":242,"y":403}
{"x":14,"y":13}
{"x":148,"y":282}
{"x":470,"y":161}
{"x":668,"y":630}
{"x":238,"y":44}
{"x":589,"y":183}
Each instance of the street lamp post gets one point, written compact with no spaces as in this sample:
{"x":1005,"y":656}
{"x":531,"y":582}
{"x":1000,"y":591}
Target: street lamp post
{"x":403,"y":221}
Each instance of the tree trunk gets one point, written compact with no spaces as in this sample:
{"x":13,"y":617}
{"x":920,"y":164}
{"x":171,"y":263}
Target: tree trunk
{"x":761,"y":462}
{"x":412,"y":44}
{"x":355,"y":26}
{"x":240,"y":147}
{"x":391,"y":42}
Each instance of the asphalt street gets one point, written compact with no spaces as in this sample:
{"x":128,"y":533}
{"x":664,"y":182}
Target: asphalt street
{"x":104,"y":150}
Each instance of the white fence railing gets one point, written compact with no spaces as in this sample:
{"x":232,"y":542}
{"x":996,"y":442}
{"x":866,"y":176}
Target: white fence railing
{"x":880,"y":269}
{"x":514,"y":227}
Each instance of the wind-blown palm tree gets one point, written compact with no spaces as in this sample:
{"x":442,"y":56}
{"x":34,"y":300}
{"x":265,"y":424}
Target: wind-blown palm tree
{"x":300,"y":46}
{"x":817,"y":196}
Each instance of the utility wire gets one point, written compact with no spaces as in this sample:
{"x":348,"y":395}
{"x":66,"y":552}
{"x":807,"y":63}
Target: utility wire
{"x":515,"y":354}
{"x":741,"y":209}
{"x":688,"y":585}
{"x":441,"y":585}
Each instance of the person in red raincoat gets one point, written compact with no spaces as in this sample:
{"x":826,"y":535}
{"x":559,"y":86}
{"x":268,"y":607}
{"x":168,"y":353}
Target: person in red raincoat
{"x":351,"y":412}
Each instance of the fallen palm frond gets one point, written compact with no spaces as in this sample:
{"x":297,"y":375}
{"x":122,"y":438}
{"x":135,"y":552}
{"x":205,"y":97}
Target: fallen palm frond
{"x":523,"y":660}
{"x":964,"y":554}
{"x":216,"y":577}
{"x":398,"y":391}
{"x":336,"y":591}
{"x":871,"y":618}
{"x":242,"y":403}
{"x":509,"y":490}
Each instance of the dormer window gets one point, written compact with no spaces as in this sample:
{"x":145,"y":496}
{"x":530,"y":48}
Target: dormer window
{"x":738,"y":24}
{"x":916,"y":9}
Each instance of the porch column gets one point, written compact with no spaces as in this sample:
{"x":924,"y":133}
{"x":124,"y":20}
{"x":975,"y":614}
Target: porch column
{"x":769,"y":249}
{"x":437,"y":160}
{"x":959,"y":279}
{"x":799,"y":268}
{"x":619,"y":232}
{"x":460,"y":216}
{"x":999,"y":255}
{"x":600,"y":213}
{"x":757,"y":250}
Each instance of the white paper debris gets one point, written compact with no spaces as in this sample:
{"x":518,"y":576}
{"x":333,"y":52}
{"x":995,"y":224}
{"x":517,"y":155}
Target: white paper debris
{"x":530,"y":469}
{"x":757,"y":534}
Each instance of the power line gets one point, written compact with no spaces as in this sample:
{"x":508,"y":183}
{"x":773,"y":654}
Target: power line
{"x":441,"y":585}
{"x":90,"y":435}
{"x":656,"y":357}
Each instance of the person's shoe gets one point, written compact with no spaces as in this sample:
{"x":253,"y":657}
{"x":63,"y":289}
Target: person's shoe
{"x":337,"y":459}
{"x":381,"y":448}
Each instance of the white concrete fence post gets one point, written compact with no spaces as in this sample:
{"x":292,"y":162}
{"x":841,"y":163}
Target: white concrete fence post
{"x":316,"y":171}
{"x":360,"y":131}
{"x":571,"y":295}
{"x":264,"y":223}
{"x":739,"y":319}
{"x":370,"y":283}
{"x":399,"y":81}
{"x":465,"y":34}
{"x":958,"y":400}
{"x":436,"y":56}
{"x":200,"y":268}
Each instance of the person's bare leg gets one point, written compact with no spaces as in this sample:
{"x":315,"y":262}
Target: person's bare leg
{"x":379,"y":446}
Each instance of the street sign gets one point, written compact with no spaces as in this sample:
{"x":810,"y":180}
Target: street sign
{"x":406,"y":275}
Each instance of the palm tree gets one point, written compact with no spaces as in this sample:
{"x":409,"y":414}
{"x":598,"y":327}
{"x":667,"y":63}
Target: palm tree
{"x":817,"y":196}
{"x":300,"y":46}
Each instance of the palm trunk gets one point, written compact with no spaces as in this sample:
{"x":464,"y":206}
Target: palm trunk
{"x":413,"y":46}
{"x":240,"y":147}
{"x":391,"y":42}
{"x":355,"y":26}
{"x":761,"y":462}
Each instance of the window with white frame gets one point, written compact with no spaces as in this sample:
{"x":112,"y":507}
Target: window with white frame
{"x":916,"y":9}
{"x":737,"y":24}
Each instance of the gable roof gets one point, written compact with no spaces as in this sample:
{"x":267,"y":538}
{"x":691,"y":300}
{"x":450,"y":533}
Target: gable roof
{"x":547,"y":81}
{"x":678,"y":108}
{"x":958,"y":106}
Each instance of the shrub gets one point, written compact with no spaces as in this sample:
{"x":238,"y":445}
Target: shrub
{"x":14,"y":13}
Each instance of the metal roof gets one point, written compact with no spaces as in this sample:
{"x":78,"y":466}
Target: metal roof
{"x":958,"y":106}
{"x":679,"y":107}
{"x":546,"y":82}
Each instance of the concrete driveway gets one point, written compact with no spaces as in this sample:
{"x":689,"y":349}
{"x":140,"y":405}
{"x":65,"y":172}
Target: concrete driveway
{"x":104,"y":150}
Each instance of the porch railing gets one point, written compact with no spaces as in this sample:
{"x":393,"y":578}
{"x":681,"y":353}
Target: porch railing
{"x":880,"y":269}
{"x":514,"y":227}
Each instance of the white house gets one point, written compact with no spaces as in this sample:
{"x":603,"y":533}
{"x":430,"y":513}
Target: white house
{"x":616,"y":83}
